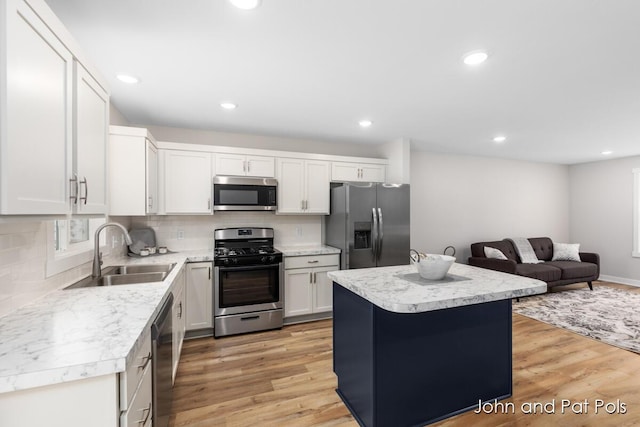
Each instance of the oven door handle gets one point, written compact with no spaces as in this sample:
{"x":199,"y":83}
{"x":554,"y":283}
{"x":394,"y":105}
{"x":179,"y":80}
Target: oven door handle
{"x":251,"y":267}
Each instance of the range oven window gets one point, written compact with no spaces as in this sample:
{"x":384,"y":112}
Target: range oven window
{"x":241,"y":286}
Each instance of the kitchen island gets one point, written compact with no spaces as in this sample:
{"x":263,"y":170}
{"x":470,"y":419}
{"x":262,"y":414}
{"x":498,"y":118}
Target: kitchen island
{"x":408,"y":351}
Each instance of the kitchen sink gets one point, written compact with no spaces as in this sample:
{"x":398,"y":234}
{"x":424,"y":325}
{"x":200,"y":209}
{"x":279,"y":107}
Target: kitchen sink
{"x":126,"y":275}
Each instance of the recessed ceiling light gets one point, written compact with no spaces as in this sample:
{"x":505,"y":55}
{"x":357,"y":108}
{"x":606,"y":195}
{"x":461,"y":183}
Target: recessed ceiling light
{"x":474,"y":58}
{"x":606,"y":152}
{"x":128,"y":79}
{"x":365,"y":123}
{"x":500,"y":139}
{"x":228,"y":105}
{"x":245,"y":4}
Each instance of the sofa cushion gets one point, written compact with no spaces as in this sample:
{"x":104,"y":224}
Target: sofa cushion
{"x":543,"y":247}
{"x":544,"y":272}
{"x":566,"y":252}
{"x":574,"y":269}
{"x":477,"y":249}
{"x":493,"y":253}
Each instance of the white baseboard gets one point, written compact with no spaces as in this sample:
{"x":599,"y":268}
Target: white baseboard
{"x":622,"y":280}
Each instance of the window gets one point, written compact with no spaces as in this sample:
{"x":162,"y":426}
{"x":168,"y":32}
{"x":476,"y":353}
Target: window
{"x":70,"y":243}
{"x":636,"y":213}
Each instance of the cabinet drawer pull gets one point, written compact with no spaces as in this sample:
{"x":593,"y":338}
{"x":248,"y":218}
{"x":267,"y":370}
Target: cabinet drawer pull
{"x":315,"y":261}
{"x":146,"y":359}
{"x":146,"y":417}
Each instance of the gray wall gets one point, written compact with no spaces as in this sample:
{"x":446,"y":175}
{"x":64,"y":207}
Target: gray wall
{"x":602,"y":215}
{"x":457,"y":200}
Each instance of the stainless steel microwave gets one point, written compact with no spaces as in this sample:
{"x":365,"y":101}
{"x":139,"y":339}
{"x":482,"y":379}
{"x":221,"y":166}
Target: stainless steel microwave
{"x":237,"y":193}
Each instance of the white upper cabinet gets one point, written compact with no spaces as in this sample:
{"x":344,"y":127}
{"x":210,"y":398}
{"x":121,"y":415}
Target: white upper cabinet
{"x":133,"y":172}
{"x":90,"y":144}
{"x":187,"y":182}
{"x":241,"y":165}
{"x":358,"y":172}
{"x":303,"y":186}
{"x":50,"y":164}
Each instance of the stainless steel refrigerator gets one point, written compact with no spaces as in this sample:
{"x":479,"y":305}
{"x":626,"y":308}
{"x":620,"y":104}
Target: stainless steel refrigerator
{"x":370,"y":223}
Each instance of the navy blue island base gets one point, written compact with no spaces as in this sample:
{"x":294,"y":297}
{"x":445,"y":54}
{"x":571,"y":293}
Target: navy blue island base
{"x":413,"y":369}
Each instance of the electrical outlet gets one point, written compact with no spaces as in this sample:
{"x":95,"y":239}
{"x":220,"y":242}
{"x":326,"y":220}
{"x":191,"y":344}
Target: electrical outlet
{"x":180,"y":234}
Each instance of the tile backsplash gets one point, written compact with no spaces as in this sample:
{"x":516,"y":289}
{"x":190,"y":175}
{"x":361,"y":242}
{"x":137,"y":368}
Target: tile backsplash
{"x":192,"y":232}
{"x":23,"y":259}
{"x":23,"y":246}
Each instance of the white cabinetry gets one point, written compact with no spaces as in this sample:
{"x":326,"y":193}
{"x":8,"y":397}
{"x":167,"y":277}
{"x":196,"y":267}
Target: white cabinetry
{"x":303,"y":186}
{"x":187,"y":180}
{"x":49,"y":162}
{"x":91,"y":113}
{"x":241,"y":165}
{"x":179,"y":322}
{"x":359,"y":172}
{"x":133,"y":172}
{"x":135,"y":388}
{"x":199,"y":296}
{"x":308,"y":290}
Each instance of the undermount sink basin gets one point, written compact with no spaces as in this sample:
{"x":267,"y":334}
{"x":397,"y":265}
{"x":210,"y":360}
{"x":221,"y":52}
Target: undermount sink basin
{"x":126,"y":275}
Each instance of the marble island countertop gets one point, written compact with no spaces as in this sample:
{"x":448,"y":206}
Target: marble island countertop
{"x":81,"y":333}
{"x":401,"y":290}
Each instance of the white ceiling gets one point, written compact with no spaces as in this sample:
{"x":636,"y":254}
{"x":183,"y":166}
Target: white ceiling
{"x":561,"y":81}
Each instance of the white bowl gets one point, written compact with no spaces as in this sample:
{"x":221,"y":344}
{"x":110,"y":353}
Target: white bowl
{"x":434,"y":267}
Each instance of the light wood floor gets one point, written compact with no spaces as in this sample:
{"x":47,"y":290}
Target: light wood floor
{"x":285,"y":378}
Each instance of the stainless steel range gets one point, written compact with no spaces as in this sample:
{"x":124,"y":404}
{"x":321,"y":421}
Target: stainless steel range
{"x":248,"y":281}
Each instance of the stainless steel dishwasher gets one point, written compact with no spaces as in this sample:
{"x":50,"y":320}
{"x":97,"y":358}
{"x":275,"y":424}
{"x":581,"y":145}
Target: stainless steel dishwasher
{"x":161,"y":341}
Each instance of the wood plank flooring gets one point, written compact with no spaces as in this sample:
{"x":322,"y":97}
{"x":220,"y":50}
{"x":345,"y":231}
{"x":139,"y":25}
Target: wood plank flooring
{"x":285,"y":378}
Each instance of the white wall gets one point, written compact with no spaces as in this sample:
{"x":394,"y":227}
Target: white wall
{"x":206,"y":137}
{"x":459,"y":200}
{"x":602,"y":215}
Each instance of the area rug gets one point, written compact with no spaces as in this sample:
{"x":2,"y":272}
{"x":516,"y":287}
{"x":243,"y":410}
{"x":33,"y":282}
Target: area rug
{"x":606,"y":314}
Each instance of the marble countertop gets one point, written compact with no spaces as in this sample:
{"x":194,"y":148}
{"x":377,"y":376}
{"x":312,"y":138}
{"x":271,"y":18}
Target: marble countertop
{"x":401,"y":290}
{"x":307,"y":250}
{"x":80,"y":333}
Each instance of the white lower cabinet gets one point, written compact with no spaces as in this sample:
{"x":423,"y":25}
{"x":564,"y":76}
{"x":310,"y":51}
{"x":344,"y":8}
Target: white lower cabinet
{"x":199,"y":296}
{"x":179,"y":321}
{"x":307,"y":289}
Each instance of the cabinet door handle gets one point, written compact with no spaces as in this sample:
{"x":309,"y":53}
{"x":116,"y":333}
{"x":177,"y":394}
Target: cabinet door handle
{"x":209,"y":204}
{"x":209,"y":273}
{"x":146,"y":417}
{"x":86,"y":189}
{"x":74,"y":189}
{"x":310,"y":277}
{"x":150,"y":202}
{"x":244,"y":166}
{"x":315,"y":278}
{"x":301,"y":205}
{"x":180,"y":310}
{"x":248,"y":166}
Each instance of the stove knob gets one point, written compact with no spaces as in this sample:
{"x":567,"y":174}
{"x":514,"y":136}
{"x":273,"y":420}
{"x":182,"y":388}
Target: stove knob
{"x":226,"y":261}
{"x":272,"y":258}
{"x":235,"y":260}
{"x":263,"y":260}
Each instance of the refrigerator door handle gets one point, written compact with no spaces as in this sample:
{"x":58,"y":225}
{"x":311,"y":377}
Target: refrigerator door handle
{"x":374,"y":234}
{"x":380,"y":232}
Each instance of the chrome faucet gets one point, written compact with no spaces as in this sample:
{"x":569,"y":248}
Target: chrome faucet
{"x":97,"y":256}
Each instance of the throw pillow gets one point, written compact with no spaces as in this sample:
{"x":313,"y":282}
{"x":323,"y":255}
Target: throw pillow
{"x":493,"y":253}
{"x":566,"y":252}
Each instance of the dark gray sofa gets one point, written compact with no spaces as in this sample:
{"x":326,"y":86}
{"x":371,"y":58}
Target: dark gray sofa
{"x":555,"y":273}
